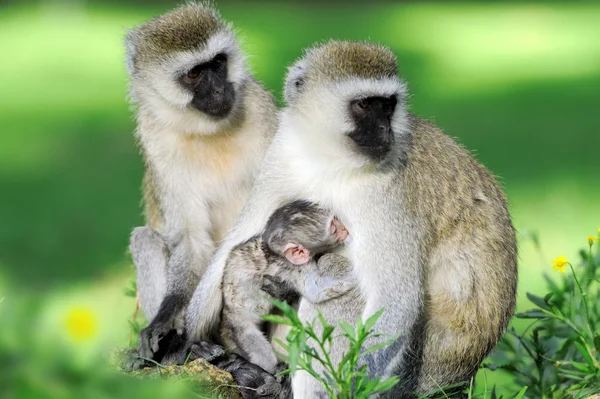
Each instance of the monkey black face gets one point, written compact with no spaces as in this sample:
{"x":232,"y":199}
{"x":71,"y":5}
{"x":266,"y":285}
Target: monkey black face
{"x":373,"y":135}
{"x":214,"y":95}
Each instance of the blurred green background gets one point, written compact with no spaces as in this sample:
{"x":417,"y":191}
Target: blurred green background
{"x":517,"y":83}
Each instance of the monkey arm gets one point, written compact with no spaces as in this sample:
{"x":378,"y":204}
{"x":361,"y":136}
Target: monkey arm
{"x":176,"y":298}
{"x":316,"y":282}
{"x":279,"y":289}
{"x":318,"y":288}
{"x":331,"y":278}
{"x":265,"y":197}
{"x":390,"y":272}
{"x":149,"y":253}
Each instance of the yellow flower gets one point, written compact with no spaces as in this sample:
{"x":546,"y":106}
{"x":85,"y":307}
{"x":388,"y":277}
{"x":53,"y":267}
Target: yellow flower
{"x":81,"y":324}
{"x":560,"y":264}
{"x":591,"y":239}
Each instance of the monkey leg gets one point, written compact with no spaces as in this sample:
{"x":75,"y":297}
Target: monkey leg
{"x":149,"y":252}
{"x":243,"y":337}
{"x":469,"y":301}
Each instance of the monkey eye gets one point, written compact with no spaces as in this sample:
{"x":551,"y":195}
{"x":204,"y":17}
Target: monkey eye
{"x":194,"y":72}
{"x":360,"y":106}
{"x":219,"y":60}
{"x":389,"y":105}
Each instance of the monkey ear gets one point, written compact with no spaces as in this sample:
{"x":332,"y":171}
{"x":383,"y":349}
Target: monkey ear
{"x":294,"y":81}
{"x":296,"y":254}
{"x":131,"y":50}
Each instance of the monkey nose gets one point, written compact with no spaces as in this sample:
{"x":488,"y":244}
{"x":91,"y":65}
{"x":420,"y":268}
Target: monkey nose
{"x":384,"y":128}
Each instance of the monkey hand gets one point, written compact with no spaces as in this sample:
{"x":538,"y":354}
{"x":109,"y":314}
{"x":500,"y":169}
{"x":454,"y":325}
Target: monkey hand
{"x":270,"y":390}
{"x":320,"y":288}
{"x":279,"y":289}
{"x":207,"y":351}
{"x":150,"y":337}
{"x":131,"y":361}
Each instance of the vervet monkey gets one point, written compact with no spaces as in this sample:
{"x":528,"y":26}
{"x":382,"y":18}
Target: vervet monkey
{"x":203,"y":125}
{"x":433,"y":243}
{"x":283,"y":256}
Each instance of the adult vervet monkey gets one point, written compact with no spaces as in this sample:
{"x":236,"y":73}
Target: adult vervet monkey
{"x":204,"y":124}
{"x":433,"y":242}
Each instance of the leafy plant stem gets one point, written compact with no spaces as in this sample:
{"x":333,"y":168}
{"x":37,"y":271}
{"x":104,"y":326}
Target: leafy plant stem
{"x":585,"y":304}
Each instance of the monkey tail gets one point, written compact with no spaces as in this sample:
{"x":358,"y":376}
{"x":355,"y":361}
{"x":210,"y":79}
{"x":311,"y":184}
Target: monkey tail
{"x":205,"y":306}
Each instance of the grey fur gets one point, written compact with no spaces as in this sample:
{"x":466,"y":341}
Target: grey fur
{"x":262,"y":257}
{"x":433,"y":243}
{"x":199,"y":169}
{"x":150,"y":253}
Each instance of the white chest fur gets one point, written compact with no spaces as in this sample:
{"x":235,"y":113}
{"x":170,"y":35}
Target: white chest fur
{"x":197,"y":173}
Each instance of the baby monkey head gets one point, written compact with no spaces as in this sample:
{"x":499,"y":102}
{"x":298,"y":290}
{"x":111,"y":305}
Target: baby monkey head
{"x":348,"y":95}
{"x":187,"y":64}
{"x":301,"y":229}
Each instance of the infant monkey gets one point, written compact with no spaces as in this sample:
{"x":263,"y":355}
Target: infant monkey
{"x":280,"y":262}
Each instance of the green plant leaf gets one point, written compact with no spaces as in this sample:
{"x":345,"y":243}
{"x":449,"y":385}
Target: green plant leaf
{"x":288,"y":311}
{"x":539,"y":302}
{"x":585,"y":354}
{"x":281,"y":343}
{"x":532,"y":314}
{"x":387,"y":384}
{"x":327,"y":331}
{"x":521,"y":393}
{"x":294,"y":355}
{"x":273,"y":318}
{"x":349,"y":331}
{"x":372,"y":320}
{"x":379,"y":346}
{"x":581,"y":366}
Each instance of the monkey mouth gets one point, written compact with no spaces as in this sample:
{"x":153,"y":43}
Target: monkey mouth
{"x":375,"y":152}
{"x":219,"y":111}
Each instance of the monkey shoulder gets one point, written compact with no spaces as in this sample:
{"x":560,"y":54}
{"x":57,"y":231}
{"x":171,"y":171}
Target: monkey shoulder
{"x":441,"y":174}
{"x":262,"y":100}
{"x":245,"y":265}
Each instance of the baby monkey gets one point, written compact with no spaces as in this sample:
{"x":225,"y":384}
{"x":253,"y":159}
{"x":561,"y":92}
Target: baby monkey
{"x":278,"y":263}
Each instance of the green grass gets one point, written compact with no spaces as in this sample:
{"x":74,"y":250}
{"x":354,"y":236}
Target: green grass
{"x":518,"y":84}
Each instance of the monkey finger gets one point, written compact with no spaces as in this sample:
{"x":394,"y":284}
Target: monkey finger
{"x":144,"y":346}
{"x":207,"y":350}
{"x":269,"y":390}
{"x":154,"y":341}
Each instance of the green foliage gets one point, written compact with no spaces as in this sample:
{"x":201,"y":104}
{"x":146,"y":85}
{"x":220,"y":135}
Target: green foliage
{"x":557,"y":355}
{"x":308,"y":342}
{"x":135,"y":324}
